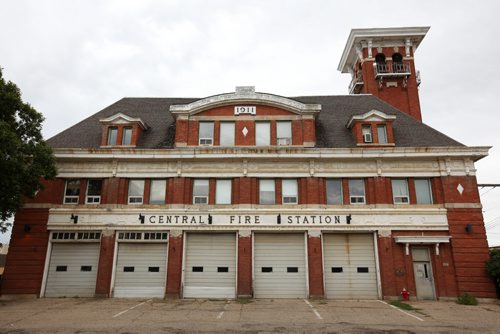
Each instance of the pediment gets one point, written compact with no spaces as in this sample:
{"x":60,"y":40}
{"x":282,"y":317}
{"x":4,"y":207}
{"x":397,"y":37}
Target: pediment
{"x":371,"y":116}
{"x":120,"y":118}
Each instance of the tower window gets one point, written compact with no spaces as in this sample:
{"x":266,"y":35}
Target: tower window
{"x":380,"y":61}
{"x":397,"y":63}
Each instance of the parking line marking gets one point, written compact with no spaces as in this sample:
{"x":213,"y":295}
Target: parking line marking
{"x":222,"y":312}
{"x":131,"y":308}
{"x":394,"y":307}
{"x":314,"y":310}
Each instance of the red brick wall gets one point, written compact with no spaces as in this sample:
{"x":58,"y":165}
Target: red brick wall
{"x":26,"y":258}
{"x":104,"y":271}
{"x":315,"y":266}
{"x":174,"y":266}
{"x":245,"y":266}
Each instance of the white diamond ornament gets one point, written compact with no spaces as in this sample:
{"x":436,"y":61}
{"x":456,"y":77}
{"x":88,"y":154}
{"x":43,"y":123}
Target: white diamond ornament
{"x":245,"y":131}
{"x":460,"y":189}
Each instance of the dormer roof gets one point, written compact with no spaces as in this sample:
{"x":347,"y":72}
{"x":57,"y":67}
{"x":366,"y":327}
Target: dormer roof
{"x":370,"y":116}
{"x":120,"y":118}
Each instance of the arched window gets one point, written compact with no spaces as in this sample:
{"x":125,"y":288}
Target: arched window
{"x":380,"y":61}
{"x":397,"y":63}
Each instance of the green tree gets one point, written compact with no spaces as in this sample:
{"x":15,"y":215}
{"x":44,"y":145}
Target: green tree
{"x":25,"y":158}
{"x":493,"y":267}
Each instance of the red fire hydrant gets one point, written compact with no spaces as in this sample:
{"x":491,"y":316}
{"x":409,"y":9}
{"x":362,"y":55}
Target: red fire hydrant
{"x":405,"y":295}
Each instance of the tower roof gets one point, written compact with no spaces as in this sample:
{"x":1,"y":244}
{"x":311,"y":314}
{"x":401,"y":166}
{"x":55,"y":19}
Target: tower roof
{"x":397,"y":36}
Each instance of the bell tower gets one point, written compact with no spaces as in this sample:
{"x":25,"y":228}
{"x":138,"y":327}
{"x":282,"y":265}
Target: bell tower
{"x":381,"y":63}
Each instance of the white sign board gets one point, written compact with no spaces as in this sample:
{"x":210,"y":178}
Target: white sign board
{"x":242,"y":110}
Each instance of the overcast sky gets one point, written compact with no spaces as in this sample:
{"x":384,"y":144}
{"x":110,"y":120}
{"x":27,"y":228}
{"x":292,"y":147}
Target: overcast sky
{"x":73,"y":58}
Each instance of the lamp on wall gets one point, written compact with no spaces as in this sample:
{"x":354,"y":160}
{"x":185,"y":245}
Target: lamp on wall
{"x":468,"y":228}
{"x":278,"y":219}
{"x":348,"y":219}
{"x":74,"y":218}
{"x":27,"y":228}
{"x":209,"y":219}
{"x":141,"y":218}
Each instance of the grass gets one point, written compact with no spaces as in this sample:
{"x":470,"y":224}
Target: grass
{"x":243,"y":301}
{"x":401,"y":305}
{"x":467,"y":299}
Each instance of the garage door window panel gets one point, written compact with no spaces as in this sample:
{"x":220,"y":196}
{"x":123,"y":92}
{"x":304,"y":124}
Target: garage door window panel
{"x":200,"y":192}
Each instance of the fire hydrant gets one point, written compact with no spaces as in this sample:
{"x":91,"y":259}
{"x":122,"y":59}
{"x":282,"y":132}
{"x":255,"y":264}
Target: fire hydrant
{"x":405,"y":295}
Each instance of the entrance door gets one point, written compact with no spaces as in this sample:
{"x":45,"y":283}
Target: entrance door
{"x":422,"y":269}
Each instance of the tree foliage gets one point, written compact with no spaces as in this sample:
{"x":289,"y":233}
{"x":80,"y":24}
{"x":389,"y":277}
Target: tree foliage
{"x":493,"y":267}
{"x":25,"y":157}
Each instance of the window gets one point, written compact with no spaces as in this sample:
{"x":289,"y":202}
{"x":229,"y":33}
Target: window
{"x":262,"y":133}
{"x":72,"y":192}
{"x":284,"y":133}
{"x":206,"y":133}
{"x":112,"y":135}
{"x":93,"y":192}
{"x":382,"y":134}
{"x":223,"y":192}
{"x":200,"y":192}
{"x":289,"y":191}
{"x":135,"y":191}
{"x":127,"y":136}
{"x":334,"y":192}
{"x":424,"y":191}
{"x":266,"y":192}
{"x":357,"y":191}
{"x":366,"y":130}
{"x":157,"y":191}
{"x":400,"y":191}
{"x":227,"y":134}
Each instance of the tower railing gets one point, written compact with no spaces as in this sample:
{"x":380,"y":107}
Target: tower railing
{"x":391,"y":69}
{"x":356,"y":83}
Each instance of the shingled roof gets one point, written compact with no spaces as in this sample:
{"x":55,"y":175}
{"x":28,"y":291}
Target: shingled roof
{"x":330,"y":126}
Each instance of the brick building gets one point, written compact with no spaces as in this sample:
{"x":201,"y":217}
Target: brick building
{"x":258,"y":195}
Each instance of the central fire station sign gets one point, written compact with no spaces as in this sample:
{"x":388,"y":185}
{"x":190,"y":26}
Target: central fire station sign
{"x":244,"y":219}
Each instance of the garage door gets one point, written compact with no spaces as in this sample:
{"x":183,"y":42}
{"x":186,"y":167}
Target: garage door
{"x":140,"y":270}
{"x":210,"y":269}
{"x":280,"y":266}
{"x":350,"y":271}
{"x":72,"y":270}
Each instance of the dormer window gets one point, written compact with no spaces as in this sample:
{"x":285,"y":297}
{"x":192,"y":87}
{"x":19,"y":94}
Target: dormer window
{"x":121,"y":130}
{"x":373,"y":128}
{"x":112,"y":135}
{"x":284,"y":133}
{"x":206,"y":133}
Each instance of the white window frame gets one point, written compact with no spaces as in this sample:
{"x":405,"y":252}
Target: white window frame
{"x":357,"y":199}
{"x":366,"y":131}
{"x":110,"y":129}
{"x":164,"y":192}
{"x":206,"y":141}
{"x":382,"y":127}
{"x":92,"y":199}
{"x":400,"y":199}
{"x":221,"y":130}
{"x":283,"y":140}
{"x":271,"y":181}
{"x":134,"y":198}
{"x":71,"y":199}
{"x":259,"y":125}
{"x":219,"y":185}
{"x":290,"y":198}
{"x":124,"y":132}
{"x":429,"y":189}
{"x":197,"y":199}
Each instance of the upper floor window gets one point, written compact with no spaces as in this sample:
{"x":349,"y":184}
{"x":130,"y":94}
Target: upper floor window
{"x":223,"y":192}
{"x":93,"y":195}
{"x":135,"y":191}
{"x":226,"y":134}
{"x":367,"y":133}
{"x":400,"y":191}
{"x":112,"y":135}
{"x":284,"y":133}
{"x":72,"y":192}
{"x":200,"y":191}
{"x":289,"y":191}
{"x":334,"y":192}
{"x":357,"y":191}
{"x":266,"y":191}
{"x":424,"y":191}
{"x":127,"y":136}
{"x":157,"y":191}
{"x":262,"y":133}
{"x":206,"y":133}
{"x":382,"y":134}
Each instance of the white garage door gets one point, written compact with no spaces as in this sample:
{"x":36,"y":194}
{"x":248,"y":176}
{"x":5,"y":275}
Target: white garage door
{"x":350,"y":271}
{"x":72,"y":270}
{"x":140,"y":270}
{"x":210,"y":269}
{"x":280,"y":266}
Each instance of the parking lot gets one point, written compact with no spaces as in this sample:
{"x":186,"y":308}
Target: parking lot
{"x":82,"y":315}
